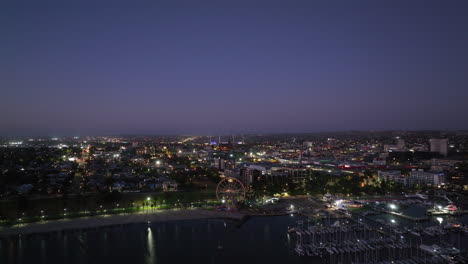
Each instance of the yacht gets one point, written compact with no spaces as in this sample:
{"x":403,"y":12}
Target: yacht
{"x":433,"y":250}
{"x":417,"y":195}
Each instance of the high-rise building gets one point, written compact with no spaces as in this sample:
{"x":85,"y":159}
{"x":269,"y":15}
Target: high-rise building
{"x":249,"y":174}
{"x":439,"y":145}
{"x":400,"y":142}
{"x":222,"y":164}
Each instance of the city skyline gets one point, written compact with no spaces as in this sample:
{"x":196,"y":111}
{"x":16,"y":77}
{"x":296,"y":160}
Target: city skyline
{"x":204,"y":131}
{"x":218,"y":68}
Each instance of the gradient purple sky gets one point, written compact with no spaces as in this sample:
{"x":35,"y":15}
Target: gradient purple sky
{"x":209,"y":67}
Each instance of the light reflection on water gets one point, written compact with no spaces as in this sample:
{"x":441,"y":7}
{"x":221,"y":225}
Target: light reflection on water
{"x":11,"y":251}
{"x":65,"y":247}
{"x":43,"y":251}
{"x":151,"y":259}
{"x":20,"y":249}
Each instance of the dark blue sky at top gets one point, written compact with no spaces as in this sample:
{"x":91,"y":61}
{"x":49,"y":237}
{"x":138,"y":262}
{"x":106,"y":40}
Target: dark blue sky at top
{"x":78,"y":67}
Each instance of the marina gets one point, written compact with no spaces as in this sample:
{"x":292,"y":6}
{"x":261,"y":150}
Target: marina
{"x":347,"y":241}
{"x":404,"y":233}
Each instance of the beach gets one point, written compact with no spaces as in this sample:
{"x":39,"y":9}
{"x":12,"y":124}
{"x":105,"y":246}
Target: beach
{"x":114,"y":220}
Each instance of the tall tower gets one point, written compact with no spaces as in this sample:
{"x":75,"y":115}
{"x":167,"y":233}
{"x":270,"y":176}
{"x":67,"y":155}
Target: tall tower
{"x":439,"y":145}
{"x":400,"y":142}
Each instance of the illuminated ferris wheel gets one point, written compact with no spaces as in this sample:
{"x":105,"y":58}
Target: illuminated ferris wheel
{"x":230,"y":191}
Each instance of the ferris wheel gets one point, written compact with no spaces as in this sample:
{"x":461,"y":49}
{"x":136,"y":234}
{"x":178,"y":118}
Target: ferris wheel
{"x":230,"y":191}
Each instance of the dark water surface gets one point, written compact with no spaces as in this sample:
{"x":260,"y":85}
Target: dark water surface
{"x":259,"y":240}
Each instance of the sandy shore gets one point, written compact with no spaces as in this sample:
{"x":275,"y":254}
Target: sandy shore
{"x":111,"y":220}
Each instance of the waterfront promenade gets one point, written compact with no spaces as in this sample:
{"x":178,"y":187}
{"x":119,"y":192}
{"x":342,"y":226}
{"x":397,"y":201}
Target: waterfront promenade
{"x":116,"y":220}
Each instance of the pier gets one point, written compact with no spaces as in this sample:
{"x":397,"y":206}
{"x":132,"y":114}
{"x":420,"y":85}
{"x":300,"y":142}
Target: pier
{"x":415,"y":219}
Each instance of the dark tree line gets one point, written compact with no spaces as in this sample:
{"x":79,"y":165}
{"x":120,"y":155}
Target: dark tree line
{"x":322,"y":183}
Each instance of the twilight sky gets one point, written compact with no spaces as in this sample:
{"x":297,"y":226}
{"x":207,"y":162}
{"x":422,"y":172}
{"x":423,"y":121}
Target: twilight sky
{"x":229,"y":66}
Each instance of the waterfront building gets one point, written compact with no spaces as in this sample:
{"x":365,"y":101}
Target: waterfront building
{"x":425,"y":178}
{"x":393,"y":176}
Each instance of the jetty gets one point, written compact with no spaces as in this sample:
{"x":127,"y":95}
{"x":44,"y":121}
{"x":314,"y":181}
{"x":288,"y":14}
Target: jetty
{"x":415,"y":219}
